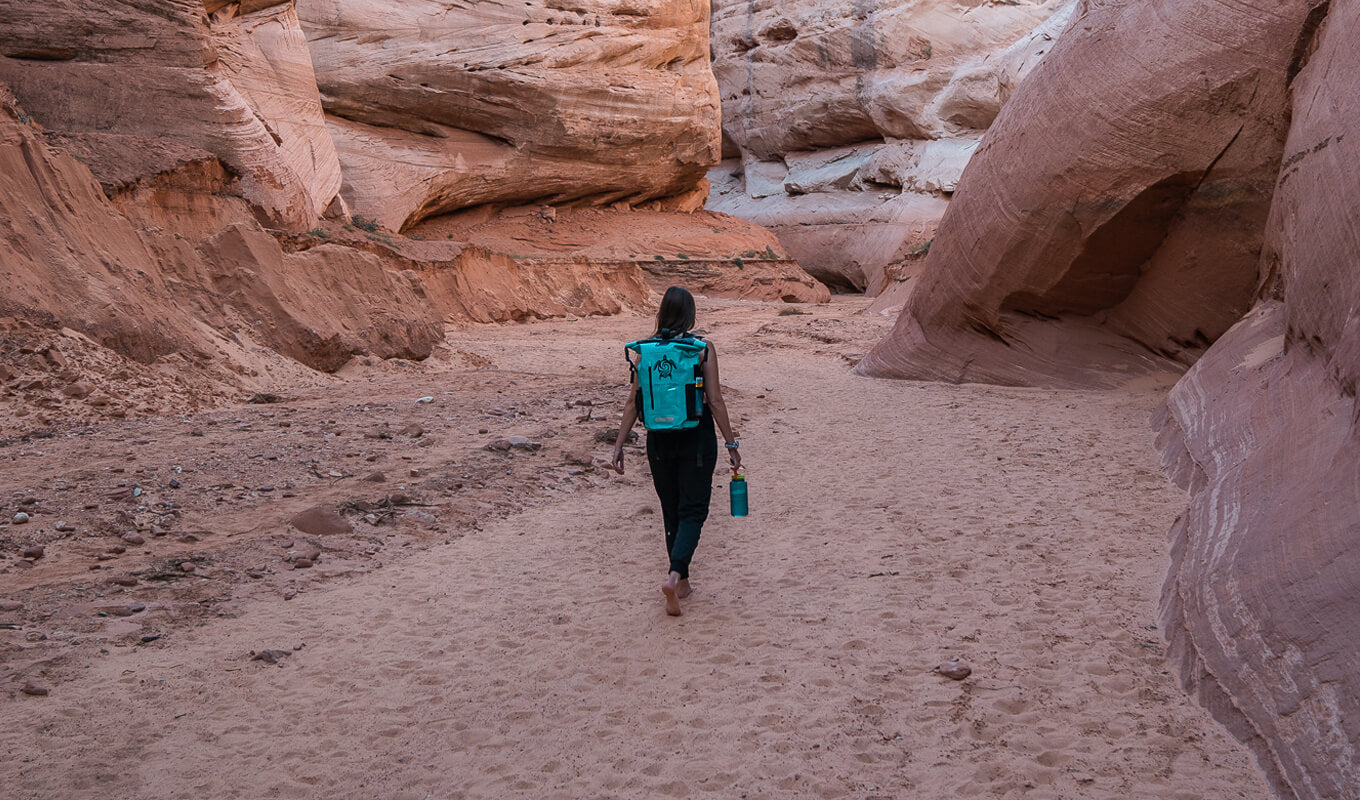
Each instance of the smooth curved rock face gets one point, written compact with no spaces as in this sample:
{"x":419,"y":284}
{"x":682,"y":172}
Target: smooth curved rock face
{"x":866,"y":112}
{"x":1124,"y":189}
{"x":439,"y":106}
{"x":140,"y":90}
{"x":1260,"y":605}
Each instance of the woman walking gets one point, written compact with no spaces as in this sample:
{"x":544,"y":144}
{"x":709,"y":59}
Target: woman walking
{"x":681,"y":447}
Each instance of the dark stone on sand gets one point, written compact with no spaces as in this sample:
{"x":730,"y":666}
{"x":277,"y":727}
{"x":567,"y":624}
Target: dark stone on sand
{"x":64,"y":527}
{"x":123,"y":580}
{"x":35,"y":552}
{"x":375,"y":477}
{"x":132,"y":537}
{"x":187,"y":566}
{"x":321,"y":521}
{"x":11,"y":605}
{"x":413,"y":430}
{"x":34,"y":689}
{"x":302,"y":563}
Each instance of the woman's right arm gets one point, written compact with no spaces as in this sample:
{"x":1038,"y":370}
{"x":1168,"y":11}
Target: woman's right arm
{"x":630,"y":415}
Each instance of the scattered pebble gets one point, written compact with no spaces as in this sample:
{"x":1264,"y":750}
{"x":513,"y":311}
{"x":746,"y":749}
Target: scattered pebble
{"x":64,"y":527}
{"x":34,"y":689}
{"x":426,"y":399}
{"x":123,"y":580}
{"x":514,"y":443}
{"x":11,"y":605}
{"x":35,"y":552}
{"x":423,"y":517}
{"x":375,"y":477}
{"x":187,"y":566}
{"x":132,"y":537}
{"x":20,"y":518}
{"x":954,"y":670}
{"x":174,"y":483}
{"x":269,"y":656}
{"x":321,"y":521}
{"x":413,"y":430}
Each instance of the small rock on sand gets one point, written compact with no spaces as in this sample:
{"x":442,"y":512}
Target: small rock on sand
{"x":270,"y":656}
{"x":132,"y":537}
{"x":34,"y":689}
{"x":64,"y":527}
{"x":36,"y":552}
{"x":954,"y":669}
{"x":321,"y":521}
{"x":11,"y":605}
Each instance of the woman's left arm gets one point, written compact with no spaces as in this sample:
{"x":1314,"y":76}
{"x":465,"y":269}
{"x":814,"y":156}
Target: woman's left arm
{"x":713,"y":392}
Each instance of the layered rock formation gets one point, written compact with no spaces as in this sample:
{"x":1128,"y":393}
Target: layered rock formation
{"x":164,"y":160}
{"x":436,"y":106}
{"x":139,"y":90}
{"x":1169,"y":166}
{"x":176,"y":277}
{"x":1129,"y":203}
{"x":1260,"y":604}
{"x":846,"y":125}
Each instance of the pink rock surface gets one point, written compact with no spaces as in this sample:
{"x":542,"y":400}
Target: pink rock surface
{"x":852,"y":121}
{"x":140,"y":90}
{"x":437,"y":108}
{"x":1128,"y":202}
{"x":1260,"y":603}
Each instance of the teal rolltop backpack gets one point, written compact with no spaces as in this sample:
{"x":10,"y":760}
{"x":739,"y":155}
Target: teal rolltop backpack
{"x":670,"y":375}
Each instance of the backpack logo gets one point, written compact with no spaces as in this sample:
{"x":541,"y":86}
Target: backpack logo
{"x":665,"y":368}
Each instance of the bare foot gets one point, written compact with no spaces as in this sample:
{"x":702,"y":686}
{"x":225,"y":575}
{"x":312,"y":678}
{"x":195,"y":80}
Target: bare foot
{"x":672,"y":600}
{"x":683,"y":589}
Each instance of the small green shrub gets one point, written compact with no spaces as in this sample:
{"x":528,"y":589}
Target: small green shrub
{"x":364,"y":223}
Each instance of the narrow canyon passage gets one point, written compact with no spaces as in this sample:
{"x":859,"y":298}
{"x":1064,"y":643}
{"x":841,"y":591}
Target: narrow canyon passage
{"x":894,"y":526}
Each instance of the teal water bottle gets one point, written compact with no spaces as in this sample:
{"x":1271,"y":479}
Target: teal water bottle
{"x":737,"y":492}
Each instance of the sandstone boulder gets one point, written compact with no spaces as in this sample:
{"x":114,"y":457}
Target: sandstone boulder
{"x":437,"y":107}
{"x":1122,"y":190}
{"x":1259,"y":605}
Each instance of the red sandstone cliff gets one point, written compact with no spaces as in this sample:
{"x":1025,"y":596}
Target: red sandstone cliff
{"x":846,"y":125}
{"x":1128,"y":204}
{"x":1260,"y":604}
{"x":1168,"y":168}
{"x":162,"y":162}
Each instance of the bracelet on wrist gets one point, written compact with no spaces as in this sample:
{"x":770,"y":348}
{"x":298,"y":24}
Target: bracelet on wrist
{"x":732,"y":445}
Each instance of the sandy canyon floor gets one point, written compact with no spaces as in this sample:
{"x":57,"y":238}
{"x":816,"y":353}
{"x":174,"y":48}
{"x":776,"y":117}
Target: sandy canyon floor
{"x":492,"y":626}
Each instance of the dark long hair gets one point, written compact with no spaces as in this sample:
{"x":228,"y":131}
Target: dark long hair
{"x":676,"y":315}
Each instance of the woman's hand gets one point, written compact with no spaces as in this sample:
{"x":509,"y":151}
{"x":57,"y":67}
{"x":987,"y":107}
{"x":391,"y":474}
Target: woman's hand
{"x":617,"y":464}
{"x":734,"y":455}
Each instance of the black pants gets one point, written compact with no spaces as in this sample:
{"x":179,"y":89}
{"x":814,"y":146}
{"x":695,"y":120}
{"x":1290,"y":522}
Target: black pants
{"x":682,"y":470}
